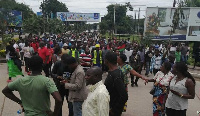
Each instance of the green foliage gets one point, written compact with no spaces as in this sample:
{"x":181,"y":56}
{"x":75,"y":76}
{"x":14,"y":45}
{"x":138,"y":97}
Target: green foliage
{"x":53,"y":6}
{"x":13,"y":5}
{"x":38,"y":25}
{"x":123,"y":24}
{"x":192,"y":3}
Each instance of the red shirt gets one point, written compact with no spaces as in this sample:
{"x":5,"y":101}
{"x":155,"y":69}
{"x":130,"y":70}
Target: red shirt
{"x":35,"y":46}
{"x":43,"y":53}
{"x":87,"y":60}
{"x":50,"y":53}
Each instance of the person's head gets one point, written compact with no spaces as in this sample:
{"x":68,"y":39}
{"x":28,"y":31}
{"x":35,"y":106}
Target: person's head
{"x":150,"y":48}
{"x":166,"y":67}
{"x":41,"y":44}
{"x":57,"y":51}
{"x":121,"y":59}
{"x":93,"y":75}
{"x":65,"y":46}
{"x":134,"y":52}
{"x":97,"y":46}
{"x":72,"y":63}
{"x":171,"y":58}
{"x":157,"y":52}
{"x":178,"y":49}
{"x":180,"y":68}
{"x":64,"y":59}
{"x":73,"y":47}
{"x":111,"y":58}
{"x":36,"y":63}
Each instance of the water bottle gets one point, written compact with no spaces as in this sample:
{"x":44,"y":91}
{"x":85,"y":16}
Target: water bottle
{"x":19,"y":112}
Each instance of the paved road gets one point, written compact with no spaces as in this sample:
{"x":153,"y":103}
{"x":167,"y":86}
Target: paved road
{"x":139,"y":103}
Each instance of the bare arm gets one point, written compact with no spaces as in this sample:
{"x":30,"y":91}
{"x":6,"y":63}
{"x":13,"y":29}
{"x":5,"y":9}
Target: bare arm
{"x":133,"y":72}
{"x":9,"y":94}
{"x":58,"y":103}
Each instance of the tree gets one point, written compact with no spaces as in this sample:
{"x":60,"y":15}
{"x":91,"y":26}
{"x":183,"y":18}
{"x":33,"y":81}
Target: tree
{"x":5,"y":18}
{"x":123,"y":23}
{"x":13,"y":5}
{"x":38,"y":25}
{"x":192,"y":3}
{"x":53,"y":6}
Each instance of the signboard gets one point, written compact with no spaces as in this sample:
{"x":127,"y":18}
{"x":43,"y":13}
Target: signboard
{"x":69,"y":16}
{"x":39,"y":13}
{"x":158,"y":23}
{"x":17,"y":18}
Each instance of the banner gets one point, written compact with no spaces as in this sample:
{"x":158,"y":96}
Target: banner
{"x":158,"y":23}
{"x":69,"y":16}
{"x":17,"y":18}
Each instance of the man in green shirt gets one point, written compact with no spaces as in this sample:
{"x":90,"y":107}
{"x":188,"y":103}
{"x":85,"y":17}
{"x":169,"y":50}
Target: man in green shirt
{"x":35,"y":92}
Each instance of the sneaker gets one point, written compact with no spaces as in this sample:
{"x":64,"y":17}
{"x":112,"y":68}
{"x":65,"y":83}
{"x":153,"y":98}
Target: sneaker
{"x":9,"y":81}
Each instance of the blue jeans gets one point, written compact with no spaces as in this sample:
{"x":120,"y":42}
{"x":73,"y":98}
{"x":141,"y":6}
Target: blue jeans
{"x":99,"y":65}
{"x":77,"y":108}
{"x":183,"y":58}
{"x":147,"y":68}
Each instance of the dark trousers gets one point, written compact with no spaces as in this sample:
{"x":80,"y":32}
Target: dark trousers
{"x":155,"y":71}
{"x":27,"y":64}
{"x":46,"y":69}
{"x":132,"y":77}
{"x":22,"y":56}
{"x":172,"y":112}
{"x":70,"y":106}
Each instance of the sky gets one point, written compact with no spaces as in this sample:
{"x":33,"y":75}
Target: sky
{"x":99,"y":6}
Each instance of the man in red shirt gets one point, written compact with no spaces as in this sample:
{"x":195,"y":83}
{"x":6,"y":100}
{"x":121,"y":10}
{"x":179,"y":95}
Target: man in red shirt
{"x":43,"y":52}
{"x":35,"y":46}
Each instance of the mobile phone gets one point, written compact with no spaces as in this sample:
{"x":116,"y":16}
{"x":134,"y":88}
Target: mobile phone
{"x":66,"y":75}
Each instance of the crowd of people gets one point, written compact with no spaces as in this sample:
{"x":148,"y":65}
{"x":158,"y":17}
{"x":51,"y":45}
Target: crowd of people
{"x":76,"y":65}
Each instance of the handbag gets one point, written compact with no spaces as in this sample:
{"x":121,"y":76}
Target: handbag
{"x":152,"y":91}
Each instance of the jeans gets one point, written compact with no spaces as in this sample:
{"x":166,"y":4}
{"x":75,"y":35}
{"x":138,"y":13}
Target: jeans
{"x":147,"y":68}
{"x":77,"y":108}
{"x":99,"y":65}
{"x":183,"y":58}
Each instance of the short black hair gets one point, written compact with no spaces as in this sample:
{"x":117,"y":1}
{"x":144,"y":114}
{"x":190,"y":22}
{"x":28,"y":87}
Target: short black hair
{"x":123,"y":57}
{"x":167,"y":66}
{"x":70,"y":60}
{"x":64,"y":57}
{"x":36,"y":63}
{"x":111,"y":57}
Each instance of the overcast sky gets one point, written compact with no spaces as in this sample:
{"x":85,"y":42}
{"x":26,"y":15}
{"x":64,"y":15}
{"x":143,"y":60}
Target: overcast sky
{"x":99,"y":6}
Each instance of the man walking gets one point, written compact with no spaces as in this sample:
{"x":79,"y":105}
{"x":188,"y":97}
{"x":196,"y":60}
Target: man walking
{"x":115,"y":85}
{"x":44,"y":54}
{"x":34,"y":92}
{"x":76,"y":86}
{"x":97,"y":102}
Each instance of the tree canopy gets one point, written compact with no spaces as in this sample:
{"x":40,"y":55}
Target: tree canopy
{"x":53,"y":6}
{"x":123,"y":23}
{"x":13,"y":5}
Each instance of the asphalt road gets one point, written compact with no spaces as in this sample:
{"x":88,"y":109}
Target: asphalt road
{"x":139,"y":103}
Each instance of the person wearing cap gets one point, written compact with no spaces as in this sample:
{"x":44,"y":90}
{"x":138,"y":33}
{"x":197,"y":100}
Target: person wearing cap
{"x":65,"y":49}
{"x":97,"y":56}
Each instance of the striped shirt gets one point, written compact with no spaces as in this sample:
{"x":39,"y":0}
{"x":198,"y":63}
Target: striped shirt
{"x":87,"y":60}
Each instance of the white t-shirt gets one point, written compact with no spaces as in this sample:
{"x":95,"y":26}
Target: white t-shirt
{"x":128,"y":54}
{"x":22,"y":46}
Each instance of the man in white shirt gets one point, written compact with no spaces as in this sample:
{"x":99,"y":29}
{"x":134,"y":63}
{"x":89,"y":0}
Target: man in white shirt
{"x":128,"y":53}
{"x":97,"y":102}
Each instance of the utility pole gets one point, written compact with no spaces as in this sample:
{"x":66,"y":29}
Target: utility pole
{"x":138,"y":21}
{"x":114,"y":21}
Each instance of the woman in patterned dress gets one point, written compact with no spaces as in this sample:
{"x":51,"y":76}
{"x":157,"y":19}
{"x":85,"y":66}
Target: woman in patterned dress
{"x":161,"y":87}
{"x":126,"y":68}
